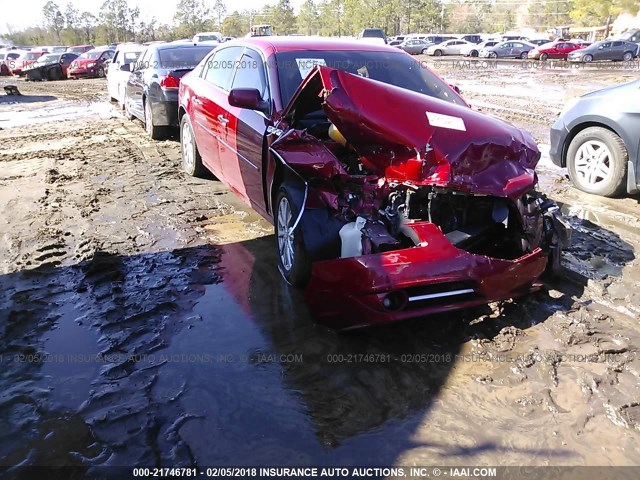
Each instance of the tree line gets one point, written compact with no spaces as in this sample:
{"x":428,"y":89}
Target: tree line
{"x":119,"y":21}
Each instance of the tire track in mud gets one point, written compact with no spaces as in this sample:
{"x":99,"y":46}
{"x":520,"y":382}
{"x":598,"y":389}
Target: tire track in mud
{"x":99,"y":249}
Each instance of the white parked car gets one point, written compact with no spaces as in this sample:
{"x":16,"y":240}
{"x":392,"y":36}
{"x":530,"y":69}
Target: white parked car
{"x":449,"y":47}
{"x":207,"y":37}
{"x":120,"y":69}
{"x":473,"y":49}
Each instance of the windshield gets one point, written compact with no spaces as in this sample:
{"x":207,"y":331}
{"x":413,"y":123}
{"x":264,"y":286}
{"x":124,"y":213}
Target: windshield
{"x":92,"y":55}
{"x":183,"y":57}
{"x":30,"y":56}
{"x":48,"y":59}
{"x":392,"y":68}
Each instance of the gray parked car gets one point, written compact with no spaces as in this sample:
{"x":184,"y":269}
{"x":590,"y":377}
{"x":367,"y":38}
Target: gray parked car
{"x":606,"y":50}
{"x":415,"y":46}
{"x":509,"y":49}
{"x":597,"y":138}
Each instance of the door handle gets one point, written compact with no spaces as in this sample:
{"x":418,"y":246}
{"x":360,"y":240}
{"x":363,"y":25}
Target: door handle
{"x":196,"y":100}
{"x":222,"y":119}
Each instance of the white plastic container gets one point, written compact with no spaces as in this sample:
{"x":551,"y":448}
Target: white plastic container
{"x":351,"y":238}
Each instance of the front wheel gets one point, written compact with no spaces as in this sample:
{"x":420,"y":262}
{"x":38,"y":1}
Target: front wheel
{"x":191,"y":160}
{"x":474,"y":53}
{"x":493,"y":55}
{"x":544,"y":57}
{"x":425,"y":51}
{"x":293,"y":260}
{"x":587,"y":58}
{"x":438,"y":53}
{"x":523,"y":55}
{"x":597,"y":161}
{"x":100,"y":72}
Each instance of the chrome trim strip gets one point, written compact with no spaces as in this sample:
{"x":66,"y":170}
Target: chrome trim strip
{"x":238,"y":153}
{"x":430,"y":296}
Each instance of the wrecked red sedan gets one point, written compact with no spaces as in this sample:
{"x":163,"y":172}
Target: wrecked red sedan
{"x":390,"y":197}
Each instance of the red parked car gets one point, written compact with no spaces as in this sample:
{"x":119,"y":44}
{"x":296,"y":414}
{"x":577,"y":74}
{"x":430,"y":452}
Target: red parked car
{"x":556,"y":50}
{"x":80,"y":49}
{"x":90,"y":64}
{"x":390,"y":197}
{"x":24,"y":60}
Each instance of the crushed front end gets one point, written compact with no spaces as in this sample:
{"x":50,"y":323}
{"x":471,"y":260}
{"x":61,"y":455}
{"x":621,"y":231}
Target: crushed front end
{"x":411,"y":205}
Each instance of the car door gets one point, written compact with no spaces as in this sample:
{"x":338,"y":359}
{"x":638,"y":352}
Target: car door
{"x":65,"y":61}
{"x":617,"y":50}
{"x":242,"y":133}
{"x":603,"y":52}
{"x":210,"y":93}
{"x":135,"y":84}
{"x":455,"y":46}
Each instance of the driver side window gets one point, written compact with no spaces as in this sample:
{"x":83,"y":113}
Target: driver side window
{"x":250,"y":74}
{"x":221,"y":65}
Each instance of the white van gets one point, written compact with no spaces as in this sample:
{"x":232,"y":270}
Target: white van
{"x":120,"y":69}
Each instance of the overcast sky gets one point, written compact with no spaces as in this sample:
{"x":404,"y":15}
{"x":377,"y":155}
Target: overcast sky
{"x":25,"y":13}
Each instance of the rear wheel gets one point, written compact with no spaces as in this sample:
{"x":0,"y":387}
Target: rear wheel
{"x":597,"y":161}
{"x":191,"y":160}
{"x":627,"y":57}
{"x":155,"y":132}
{"x":127,"y":113}
{"x":293,"y":260}
{"x":473,"y":53}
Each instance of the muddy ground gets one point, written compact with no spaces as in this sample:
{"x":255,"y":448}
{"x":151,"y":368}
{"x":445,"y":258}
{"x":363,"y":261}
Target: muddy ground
{"x":143,"y":321}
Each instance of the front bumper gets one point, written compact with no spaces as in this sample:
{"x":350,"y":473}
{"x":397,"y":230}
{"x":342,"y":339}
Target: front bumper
{"x":557,"y":137}
{"x":434,"y":278}
{"x":82,"y":72}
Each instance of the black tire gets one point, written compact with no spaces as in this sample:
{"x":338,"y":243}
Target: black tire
{"x":587,"y":58}
{"x":438,"y":53}
{"x":127,"y":113}
{"x":54,"y":74}
{"x":493,"y":55}
{"x":544,"y":57}
{"x":424,"y":51}
{"x":192,"y":165}
{"x":100,"y":72}
{"x":523,"y":55}
{"x":473,"y":53}
{"x":613,"y":159}
{"x":293,"y":261}
{"x":627,"y":57}
{"x":155,"y":132}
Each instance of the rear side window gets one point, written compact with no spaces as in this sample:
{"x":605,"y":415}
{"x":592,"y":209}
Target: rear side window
{"x":220,"y":67}
{"x":182,"y":57}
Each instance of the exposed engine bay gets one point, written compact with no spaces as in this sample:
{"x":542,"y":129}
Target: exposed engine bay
{"x":371,"y":187}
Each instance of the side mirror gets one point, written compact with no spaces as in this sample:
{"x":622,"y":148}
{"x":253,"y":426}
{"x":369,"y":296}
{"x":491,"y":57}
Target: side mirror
{"x":126,"y":67}
{"x":248,"y":98}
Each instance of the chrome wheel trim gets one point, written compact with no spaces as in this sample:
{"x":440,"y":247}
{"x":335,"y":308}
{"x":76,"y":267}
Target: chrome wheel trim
{"x":593,"y":163}
{"x":188,"y":158}
{"x":285,"y":234}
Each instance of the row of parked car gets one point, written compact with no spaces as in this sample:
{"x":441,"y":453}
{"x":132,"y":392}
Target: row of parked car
{"x":57,"y":63}
{"x":571,"y":50}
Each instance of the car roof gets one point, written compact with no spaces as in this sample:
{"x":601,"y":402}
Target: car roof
{"x":170,"y":45}
{"x":286,"y":44}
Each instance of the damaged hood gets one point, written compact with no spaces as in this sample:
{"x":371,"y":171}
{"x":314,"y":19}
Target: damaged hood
{"x":408,"y":136}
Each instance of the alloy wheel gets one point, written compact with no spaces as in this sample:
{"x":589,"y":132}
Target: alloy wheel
{"x":593,"y":163}
{"x":285,"y":234}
